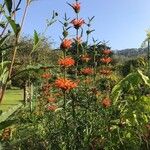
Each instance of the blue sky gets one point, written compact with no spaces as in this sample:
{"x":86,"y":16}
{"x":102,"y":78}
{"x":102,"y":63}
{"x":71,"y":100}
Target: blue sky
{"x":121,"y":22}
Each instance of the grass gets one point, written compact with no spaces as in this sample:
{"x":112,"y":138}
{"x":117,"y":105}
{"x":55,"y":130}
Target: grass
{"x":11,"y":99}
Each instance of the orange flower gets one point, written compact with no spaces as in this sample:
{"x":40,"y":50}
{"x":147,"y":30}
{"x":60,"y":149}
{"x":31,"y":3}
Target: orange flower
{"x":66,"y":44}
{"x":65,"y":84}
{"x":87,"y":71}
{"x":45,"y":89}
{"x":77,"y":23}
{"x":106,"y":102}
{"x":106,"y":60}
{"x":106,"y":71}
{"x":46,"y":75}
{"x":66,"y":62}
{"x":107,"y":51}
{"x":52,"y":107}
{"x":85,"y":58}
{"x":76,"y":6}
{"x":51,"y":99}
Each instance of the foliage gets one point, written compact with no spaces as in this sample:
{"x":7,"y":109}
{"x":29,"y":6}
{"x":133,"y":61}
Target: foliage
{"x":82,"y":97}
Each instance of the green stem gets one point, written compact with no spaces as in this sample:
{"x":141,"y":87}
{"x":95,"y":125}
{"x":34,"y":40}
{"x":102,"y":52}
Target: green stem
{"x":77,"y":35}
{"x":65,"y":121}
{"x":73,"y":108}
{"x":94,"y":60}
{"x":64,"y":71}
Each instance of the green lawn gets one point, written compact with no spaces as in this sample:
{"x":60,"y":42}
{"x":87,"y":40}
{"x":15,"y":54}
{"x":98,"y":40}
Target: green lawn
{"x":11,"y":99}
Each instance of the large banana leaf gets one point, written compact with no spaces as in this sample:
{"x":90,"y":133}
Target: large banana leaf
{"x":4,"y":71}
{"x":133,"y":79}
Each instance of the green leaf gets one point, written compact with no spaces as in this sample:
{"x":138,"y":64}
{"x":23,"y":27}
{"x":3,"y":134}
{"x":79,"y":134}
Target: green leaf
{"x":4,"y":71}
{"x":4,"y":118}
{"x":9,"y":5}
{"x":6,"y":124}
{"x":16,"y":27}
{"x":130,"y":81}
{"x":145,"y":79}
{"x":36,"y":38}
{"x":36,"y":41}
{"x":49,"y":23}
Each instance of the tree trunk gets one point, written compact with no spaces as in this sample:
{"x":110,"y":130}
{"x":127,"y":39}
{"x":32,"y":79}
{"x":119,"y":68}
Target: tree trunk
{"x":25,"y":92}
{"x":2,"y":91}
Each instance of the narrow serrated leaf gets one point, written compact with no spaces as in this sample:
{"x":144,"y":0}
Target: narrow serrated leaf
{"x":36,"y":38}
{"x":16,"y":27}
{"x":9,"y":5}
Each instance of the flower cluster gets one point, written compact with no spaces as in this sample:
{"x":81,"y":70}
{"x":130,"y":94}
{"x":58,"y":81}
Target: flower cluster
{"x":66,"y":44}
{"x":106,"y":51}
{"x":106,"y":60}
{"x":105,"y":71}
{"x":87,"y":71}
{"x":52,"y":107}
{"x":65,"y":84}
{"x":76,"y":6}
{"x":106,"y":102}
{"x":46,"y":75}
{"x":46,"y":89}
{"x":66,"y":62}
{"x":77,"y":23}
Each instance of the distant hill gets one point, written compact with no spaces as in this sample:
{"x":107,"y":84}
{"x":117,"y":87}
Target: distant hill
{"x":131,"y":52}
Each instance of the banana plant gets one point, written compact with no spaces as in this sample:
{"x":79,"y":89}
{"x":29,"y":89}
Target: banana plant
{"x":131,"y":100}
{"x":146,"y":44}
{"x":131,"y":80}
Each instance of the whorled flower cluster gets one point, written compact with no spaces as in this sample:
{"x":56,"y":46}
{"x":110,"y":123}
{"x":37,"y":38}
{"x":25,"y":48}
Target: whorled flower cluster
{"x":66,"y":62}
{"x":66,"y":44}
{"x":65,"y":84}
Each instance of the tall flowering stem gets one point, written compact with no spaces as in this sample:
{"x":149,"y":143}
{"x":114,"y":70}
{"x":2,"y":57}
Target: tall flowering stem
{"x":106,"y":70}
{"x":77,"y":34}
{"x":89,"y":30}
{"x":77,"y":24}
{"x":65,"y":84}
{"x":64,"y":73}
{"x":65,"y":45}
{"x":95,"y":63}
